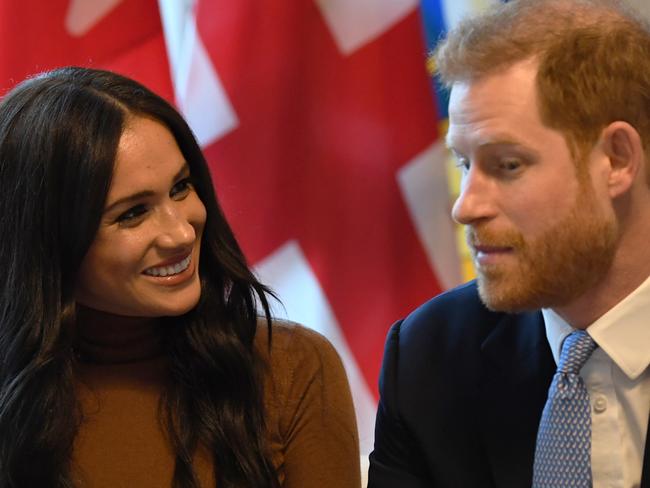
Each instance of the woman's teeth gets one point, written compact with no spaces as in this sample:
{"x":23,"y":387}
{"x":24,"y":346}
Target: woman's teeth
{"x":169,"y":270}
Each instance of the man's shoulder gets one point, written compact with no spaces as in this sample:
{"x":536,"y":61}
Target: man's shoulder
{"x":450,"y":344}
{"x":458,"y":311}
{"x":463,"y":300}
{"x":456,"y":325}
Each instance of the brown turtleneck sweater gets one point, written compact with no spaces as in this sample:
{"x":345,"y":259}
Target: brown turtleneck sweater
{"x":310,"y":417}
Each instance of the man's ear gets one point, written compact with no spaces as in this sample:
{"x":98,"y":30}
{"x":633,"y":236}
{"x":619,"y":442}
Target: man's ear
{"x":622,"y":145}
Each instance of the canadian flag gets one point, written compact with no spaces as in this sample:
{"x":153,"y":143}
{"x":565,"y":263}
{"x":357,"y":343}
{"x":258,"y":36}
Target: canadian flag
{"x":322,"y":132}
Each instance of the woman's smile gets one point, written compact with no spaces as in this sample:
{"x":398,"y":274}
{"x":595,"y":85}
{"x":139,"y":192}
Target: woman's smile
{"x":170,"y":268}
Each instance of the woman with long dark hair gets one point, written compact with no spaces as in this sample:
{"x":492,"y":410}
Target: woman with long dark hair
{"x":131,"y":351}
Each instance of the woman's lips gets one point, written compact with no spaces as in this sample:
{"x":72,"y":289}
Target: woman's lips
{"x":169,"y":268}
{"x":173,"y":271}
{"x":177,"y":258}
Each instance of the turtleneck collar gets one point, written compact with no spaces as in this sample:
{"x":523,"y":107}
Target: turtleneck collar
{"x":104,"y":338}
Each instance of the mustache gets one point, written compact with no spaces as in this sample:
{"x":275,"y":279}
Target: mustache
{"x":492,"y":238}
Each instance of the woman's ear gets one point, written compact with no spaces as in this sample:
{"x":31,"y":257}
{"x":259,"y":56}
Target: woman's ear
{"x":622,"y":145}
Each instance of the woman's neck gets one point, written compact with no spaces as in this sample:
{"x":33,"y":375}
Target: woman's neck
{"x":102,"y":337}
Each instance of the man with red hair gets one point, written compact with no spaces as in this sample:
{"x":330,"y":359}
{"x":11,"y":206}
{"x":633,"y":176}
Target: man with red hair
{"x":537,"y":373}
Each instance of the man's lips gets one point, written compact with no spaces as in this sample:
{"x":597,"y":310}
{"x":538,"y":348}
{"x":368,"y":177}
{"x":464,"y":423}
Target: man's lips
{"x":490,"y":254}
{"x":490,"y":249}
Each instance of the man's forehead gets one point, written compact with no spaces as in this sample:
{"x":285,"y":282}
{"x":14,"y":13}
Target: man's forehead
{"x":521,"y":74}
{"x":457,"y":140}
{"x":498,"y":108}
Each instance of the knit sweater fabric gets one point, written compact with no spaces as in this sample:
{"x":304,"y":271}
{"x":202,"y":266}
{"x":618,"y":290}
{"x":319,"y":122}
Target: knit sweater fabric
{"x":309,"y":414}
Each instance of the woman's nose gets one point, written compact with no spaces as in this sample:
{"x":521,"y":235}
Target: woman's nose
{"x":176,"y":230}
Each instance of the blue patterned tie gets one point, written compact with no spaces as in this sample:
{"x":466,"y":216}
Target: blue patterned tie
{"x":563,"y":451}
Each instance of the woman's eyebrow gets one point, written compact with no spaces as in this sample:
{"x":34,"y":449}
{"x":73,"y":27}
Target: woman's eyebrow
{"x":185,"y":170}
{"x":128,"y":198}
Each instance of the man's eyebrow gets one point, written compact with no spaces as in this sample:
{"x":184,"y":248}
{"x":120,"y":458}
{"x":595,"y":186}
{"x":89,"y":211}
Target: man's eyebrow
{"x":493,"y":142}
{"x":184,"y":171}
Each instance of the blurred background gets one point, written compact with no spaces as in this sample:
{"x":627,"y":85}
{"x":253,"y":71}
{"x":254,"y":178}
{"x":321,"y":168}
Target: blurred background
{"x":323,"y":133}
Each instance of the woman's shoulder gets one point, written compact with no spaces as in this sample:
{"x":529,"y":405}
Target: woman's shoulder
{"x":309,"y":410}
{"x":304,"y":379}
{"x":294,"y":343}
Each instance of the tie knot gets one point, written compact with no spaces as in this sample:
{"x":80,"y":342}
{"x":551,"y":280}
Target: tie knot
{"x":576,"y":349}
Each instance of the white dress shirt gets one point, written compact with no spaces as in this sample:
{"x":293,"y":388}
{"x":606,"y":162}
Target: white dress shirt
{"x":617,"y":377}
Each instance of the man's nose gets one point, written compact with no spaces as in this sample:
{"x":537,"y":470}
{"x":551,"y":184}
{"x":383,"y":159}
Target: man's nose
{"x":476,"y":199}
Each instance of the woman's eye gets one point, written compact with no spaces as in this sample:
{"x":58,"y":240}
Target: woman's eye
{"x":182,"y":188}
{"x":132,"y":216}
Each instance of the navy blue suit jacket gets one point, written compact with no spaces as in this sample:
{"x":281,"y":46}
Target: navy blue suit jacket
{"x":461,"y":393}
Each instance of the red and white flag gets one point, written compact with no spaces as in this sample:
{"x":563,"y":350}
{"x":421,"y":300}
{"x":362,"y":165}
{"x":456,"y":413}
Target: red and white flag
{"x":318,"y":120}
{"x":322,"y":135}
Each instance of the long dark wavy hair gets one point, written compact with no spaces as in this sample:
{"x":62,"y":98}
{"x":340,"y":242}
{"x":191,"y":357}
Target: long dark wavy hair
{"x":59,"y":133}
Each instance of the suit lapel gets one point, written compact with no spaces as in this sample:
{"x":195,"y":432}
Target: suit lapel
{"x":517,"y":370}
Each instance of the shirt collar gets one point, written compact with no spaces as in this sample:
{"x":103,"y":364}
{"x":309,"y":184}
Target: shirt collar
{"x":556,"y":331}
{"x":623,"y":332}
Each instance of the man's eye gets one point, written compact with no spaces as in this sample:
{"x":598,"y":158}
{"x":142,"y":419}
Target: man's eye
{"x":462,"y":163}
{"x":182,"y":188}
{"x":510,"y":164}
{"x":132,"y":215}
